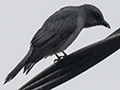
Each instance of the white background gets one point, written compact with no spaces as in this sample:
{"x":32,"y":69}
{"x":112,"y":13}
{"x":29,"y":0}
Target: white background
{"x":19,"y":21}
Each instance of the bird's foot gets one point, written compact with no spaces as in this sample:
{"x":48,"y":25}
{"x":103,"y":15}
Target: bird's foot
{"x":56,"y":61}
{"x":59,"y":59}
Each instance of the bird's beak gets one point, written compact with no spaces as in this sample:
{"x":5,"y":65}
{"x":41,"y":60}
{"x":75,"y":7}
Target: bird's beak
{"x":106,"y":24}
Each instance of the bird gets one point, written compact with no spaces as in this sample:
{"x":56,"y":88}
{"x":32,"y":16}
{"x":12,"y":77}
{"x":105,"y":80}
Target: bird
{"x":57,"y":33}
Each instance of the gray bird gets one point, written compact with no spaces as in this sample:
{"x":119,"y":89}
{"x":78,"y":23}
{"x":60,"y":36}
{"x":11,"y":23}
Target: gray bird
{"x":57,"y":33}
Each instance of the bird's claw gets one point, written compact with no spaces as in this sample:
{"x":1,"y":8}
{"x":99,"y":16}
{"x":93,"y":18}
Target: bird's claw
{"x":56,"y":60}
{"x":59,"y":59}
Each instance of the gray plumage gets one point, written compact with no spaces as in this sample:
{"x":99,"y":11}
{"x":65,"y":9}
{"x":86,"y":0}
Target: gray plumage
{"x":57,"y":33}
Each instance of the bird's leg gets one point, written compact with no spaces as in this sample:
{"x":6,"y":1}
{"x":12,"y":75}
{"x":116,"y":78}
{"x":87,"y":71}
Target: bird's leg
{"x":57,"y":60}
{"x":64,"y":53}
{"x":58,"y":56}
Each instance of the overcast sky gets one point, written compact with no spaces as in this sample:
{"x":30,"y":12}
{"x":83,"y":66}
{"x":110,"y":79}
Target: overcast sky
{"x":19,"y":21}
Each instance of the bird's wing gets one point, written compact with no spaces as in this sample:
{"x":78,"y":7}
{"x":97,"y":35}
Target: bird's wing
{"x":57,"y":27}
{"x":54,"y":33}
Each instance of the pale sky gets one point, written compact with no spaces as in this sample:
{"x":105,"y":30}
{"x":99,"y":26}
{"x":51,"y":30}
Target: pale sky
{"x":19,"y":21}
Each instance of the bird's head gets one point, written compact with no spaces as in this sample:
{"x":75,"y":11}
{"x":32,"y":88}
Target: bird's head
{"x":94,"y":16}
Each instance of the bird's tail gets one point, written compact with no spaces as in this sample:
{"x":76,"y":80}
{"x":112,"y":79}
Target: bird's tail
{"x":20,"y":65}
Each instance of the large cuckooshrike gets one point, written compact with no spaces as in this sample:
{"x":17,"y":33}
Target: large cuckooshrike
{"x":57,"y":33}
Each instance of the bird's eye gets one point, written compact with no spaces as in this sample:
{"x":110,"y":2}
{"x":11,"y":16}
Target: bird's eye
{"x":97,"y":15}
